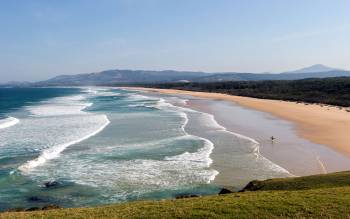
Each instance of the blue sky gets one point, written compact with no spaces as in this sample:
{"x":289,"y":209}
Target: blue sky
{"x":43,"y":38}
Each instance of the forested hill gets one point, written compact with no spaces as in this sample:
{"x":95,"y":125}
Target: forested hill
{"x":120,"y":76}
{"x":333,"y":91}
{"x":138,"y":76}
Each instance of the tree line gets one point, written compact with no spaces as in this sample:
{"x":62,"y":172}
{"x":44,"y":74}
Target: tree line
{"x":332,"y":91}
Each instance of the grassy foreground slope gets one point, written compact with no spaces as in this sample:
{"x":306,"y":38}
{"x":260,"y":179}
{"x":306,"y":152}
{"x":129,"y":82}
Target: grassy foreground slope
{"x":320,"y":196}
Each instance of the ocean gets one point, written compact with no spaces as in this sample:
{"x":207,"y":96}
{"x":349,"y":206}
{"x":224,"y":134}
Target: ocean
{"x":94,"y":145}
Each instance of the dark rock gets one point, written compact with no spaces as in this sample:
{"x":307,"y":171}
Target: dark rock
{"x":225,"y":191}
{"x":253,"y":186}
{"x":15,"y":209}
{"x":51,"y":184}
{"x":50,"y":207}
{"x":35,"y":199}
{"x":44,"y":208}
{"x":186,"y":196}
{"x":33,"y":209}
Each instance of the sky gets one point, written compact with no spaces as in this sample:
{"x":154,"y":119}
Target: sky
{"x":40,"y":39}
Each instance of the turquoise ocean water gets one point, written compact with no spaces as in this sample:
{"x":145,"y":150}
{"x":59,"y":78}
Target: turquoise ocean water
{"x":105,"y":145}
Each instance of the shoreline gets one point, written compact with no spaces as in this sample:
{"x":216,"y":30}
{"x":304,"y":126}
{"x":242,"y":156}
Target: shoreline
{"x":312,"y":121}
{"x":298,"y":156}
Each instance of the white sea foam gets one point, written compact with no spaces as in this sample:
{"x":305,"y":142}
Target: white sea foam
{"x":55,"y":151}
{"x":254,"y":144}
{"x":108,"y":94}
{"x":8,"y":122}
{"x":210,"y":122}
{"x":91,"y":90}
{"x":137,"y":175}
{"x":137,"y":105}
{"x":117,"y":176}
{"x":120,"y":166}
{"x":203,"y":154}
{"x":178,"y":101}
{"x":200,"y":156}
{"x":162,"y":103}
{"x":62,"y":115}
{"x":98,"y":91}
{"x":139,"y":97}
{"x":123,"y":177}
{"x":69,"y":105}
{"x":141,"y":145}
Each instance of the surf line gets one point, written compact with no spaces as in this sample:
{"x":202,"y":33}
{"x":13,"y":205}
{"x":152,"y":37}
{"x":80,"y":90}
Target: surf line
{"x":256,"y":144}
{"x":204,"y":152}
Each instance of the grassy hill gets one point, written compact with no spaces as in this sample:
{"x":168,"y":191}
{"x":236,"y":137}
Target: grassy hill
{"x":319,"y":196}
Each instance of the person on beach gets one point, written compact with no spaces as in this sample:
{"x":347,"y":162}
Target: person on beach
{"x":272,"y":139}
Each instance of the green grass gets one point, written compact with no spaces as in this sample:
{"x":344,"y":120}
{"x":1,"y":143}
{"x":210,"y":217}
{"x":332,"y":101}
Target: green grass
{"x":330,"y":180}
{"x":321,"y":196}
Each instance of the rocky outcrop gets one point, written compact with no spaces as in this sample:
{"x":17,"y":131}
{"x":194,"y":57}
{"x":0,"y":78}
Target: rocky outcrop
{"x":35,"y":199}
{"x":224,"y":191}
{"x":46,"y":207}
{"x":186,"y":196}
{"x":51,"y":184}
{"x":253,"y":186}
{"x":50,"y":207}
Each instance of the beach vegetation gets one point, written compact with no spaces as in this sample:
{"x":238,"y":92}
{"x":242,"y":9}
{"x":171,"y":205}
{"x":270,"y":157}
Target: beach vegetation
{"x":331,"y":91}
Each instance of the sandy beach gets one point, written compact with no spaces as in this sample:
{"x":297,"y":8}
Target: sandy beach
{"x":304,"y":144}
{"x":324,"y":125}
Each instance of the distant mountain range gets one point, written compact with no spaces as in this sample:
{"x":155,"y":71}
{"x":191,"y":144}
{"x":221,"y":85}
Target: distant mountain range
{"x":115,"y":77}
{"x":123,"y":77}
{"x":315,"y":68}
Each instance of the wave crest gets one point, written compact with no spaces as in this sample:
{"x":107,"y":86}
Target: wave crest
{"x":8,"y":122}
{"x":56,"y":150}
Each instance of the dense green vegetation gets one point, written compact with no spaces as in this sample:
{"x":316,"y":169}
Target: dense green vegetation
{"x":320,"y":196}
{"x":340,"y":179}
{"x":333,"y":91}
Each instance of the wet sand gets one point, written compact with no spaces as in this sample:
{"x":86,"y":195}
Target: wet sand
{"x":297,"y":155}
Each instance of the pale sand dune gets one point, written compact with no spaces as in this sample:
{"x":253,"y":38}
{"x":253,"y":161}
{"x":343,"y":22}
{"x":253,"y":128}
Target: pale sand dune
{"x":329,"y":126}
